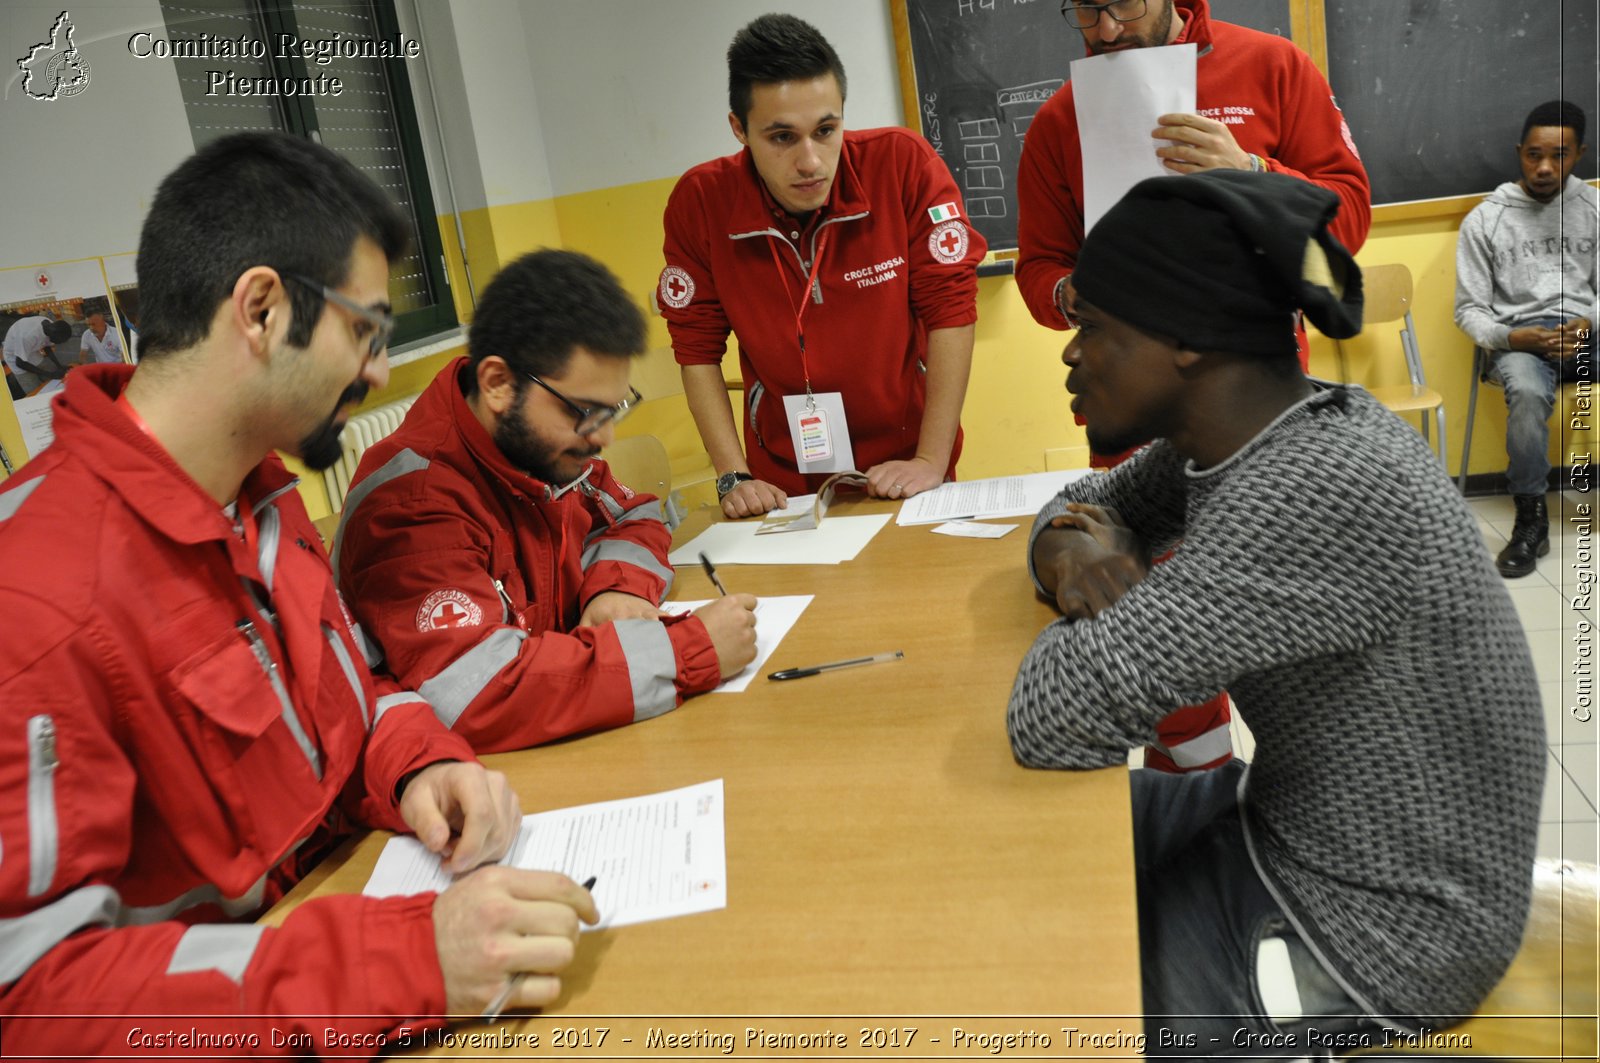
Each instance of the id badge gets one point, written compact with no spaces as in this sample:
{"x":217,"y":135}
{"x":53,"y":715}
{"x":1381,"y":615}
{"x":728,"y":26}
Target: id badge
{"x":819,"y":431}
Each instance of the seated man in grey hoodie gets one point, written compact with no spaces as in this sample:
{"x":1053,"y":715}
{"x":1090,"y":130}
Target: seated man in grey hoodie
{"x":1525,"y":292}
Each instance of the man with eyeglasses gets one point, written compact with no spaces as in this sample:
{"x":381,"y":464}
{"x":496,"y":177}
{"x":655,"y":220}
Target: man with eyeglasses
{"x":503,"y":570}
{"x":1262,"y":104}
{"x":189,"y":724}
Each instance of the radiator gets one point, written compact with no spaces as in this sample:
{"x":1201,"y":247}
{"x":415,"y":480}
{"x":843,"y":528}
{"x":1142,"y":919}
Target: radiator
{"x":361,"y":432}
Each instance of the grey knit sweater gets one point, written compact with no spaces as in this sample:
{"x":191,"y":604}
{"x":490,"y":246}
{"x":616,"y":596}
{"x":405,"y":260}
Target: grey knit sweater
{"x":1334,"y":583}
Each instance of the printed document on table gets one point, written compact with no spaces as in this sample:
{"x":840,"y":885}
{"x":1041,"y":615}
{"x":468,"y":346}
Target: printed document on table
{"x":774,"y":617}
{"x":652,"y":857}
{"x":734,"y":542}
{"x":1003,"y":496}
{"x":1118,"y":98}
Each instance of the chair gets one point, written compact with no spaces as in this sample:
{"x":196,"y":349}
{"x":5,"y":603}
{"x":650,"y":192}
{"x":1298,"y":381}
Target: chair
{"x":641,"y":463}
{"x":1544,"y":1005}
{"x":1388,"y":298}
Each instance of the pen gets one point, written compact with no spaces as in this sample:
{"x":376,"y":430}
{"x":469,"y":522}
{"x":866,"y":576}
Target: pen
{"x":498,"y":1004}
{"x":801,"y":673}
{"x":711,"y":574}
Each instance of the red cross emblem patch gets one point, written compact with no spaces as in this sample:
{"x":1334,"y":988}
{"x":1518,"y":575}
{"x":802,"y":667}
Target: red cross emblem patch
{"x":948,"y":242}
{"x":677,"y":287}
{"x":448,"y":608}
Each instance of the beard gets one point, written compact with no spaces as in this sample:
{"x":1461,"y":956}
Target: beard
{"x":1155,"y":38}
{"x":523,"y":448}
{"x":1107,"y":443}
{"x":321,"y":448}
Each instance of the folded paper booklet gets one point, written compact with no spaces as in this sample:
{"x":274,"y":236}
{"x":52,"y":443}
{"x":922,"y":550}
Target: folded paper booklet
{"x":805,"y":512}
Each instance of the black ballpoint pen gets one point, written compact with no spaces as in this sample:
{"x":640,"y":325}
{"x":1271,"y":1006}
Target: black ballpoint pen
{"x":816,"y":669}
{"x":711,"y":574}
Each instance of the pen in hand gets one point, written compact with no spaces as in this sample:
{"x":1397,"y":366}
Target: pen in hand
{"x":817,"y":669}
{"x":502,"y":998}
{"x":711,"y":574}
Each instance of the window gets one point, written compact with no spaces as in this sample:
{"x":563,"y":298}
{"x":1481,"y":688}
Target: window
{"x":372,"y":121}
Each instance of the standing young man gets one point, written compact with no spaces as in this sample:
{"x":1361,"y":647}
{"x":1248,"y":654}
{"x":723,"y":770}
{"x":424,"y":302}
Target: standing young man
{"x":1262,"y":103}
{"x":1370,"y":869}
{"x":503,"y":570}
{"x":843,"y":264}
{"x":1526,"y":283}
{"x":188,"y":725}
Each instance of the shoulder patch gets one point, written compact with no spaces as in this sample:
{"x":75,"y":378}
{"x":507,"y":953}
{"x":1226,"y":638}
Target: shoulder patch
{"x":447,"y":608}
{"x":948,"y":242}
{"x":676,"y":288}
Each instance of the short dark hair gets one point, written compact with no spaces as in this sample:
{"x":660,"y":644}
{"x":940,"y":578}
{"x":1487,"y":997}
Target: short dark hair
{"x":777,"y":48}
{"x":246,"y":200}
{"x":541,"y":307}
{"x":56,"y":331}
{"x":1557,"y":113}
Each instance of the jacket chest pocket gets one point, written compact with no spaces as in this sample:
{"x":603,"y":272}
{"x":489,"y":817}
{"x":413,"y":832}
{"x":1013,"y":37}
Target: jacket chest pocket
{"x":251,"y":747}
{"x":518,"y":596}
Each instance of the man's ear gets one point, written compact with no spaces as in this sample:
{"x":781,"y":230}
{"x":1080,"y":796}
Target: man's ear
{"x":1185,"y":359}
{"x":259,"y":307}
{"x":738,"y":129}
{"x":497,"y":384}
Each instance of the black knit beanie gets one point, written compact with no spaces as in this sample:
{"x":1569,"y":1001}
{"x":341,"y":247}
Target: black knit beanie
{"x":1220,"y":260}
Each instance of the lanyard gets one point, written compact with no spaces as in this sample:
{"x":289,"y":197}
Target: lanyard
{"x":805,"y":301}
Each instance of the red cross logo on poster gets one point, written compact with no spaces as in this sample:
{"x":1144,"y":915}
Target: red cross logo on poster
{"x":44,"y":281}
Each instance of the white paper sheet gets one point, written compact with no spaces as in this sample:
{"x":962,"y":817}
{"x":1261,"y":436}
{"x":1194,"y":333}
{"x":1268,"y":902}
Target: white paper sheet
{"x":652,"y":857}
{"x":1003,"y":496}
{"x":1118,"y":98}
{"x":835,"y":540}
{"x":774,"y":617}
{"x":966,"y":529}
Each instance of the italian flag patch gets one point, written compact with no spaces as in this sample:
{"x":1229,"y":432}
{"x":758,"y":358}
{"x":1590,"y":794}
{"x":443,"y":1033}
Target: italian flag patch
{"x":943,"y":212}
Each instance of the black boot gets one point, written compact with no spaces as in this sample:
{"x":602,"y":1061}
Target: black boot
{"x":1530,"y":538}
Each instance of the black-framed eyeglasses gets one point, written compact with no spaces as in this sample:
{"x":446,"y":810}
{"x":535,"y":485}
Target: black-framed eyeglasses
{"x":382,"y":324}
{"x":1087,"y":16}
{"x":590,"y":419}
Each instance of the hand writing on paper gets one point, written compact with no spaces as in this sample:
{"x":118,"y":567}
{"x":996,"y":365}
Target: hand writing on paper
{"x":1092,"y":570}
{"x":731,"y":623}
{"x":752,"y":498}
{"x":502,"y":922}
{"x":464,"y":812}
{"x":607,"y":606}
{"x":902,"y":479}
{"x":1196,"y":144}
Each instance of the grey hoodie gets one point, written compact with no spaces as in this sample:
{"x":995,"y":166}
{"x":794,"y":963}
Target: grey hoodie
{"x":1519,"y":259}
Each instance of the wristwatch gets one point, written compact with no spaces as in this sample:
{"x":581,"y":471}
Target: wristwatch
{"x":728,"y":481}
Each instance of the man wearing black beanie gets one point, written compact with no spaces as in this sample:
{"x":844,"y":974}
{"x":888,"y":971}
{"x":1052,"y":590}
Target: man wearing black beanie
{"x":1366,"y":878}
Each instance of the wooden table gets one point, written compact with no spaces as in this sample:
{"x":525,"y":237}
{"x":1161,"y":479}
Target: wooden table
{"x":886,"y":856}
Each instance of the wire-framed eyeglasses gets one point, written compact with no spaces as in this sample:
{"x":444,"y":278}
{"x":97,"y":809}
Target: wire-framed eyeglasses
{"x":382,"y":323}
{"x":1087,"y":16}
{"x":590,"y":419}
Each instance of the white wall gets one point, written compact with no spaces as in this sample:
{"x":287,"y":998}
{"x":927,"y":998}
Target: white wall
{"x":80,"y":171}
{"x":633,"y":90}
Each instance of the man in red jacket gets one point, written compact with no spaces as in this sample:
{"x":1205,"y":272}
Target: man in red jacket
{"x":1263,"y":106}
{"x":186,"y":724}
{"x":843,"y":263}
{"x":504,"y":571}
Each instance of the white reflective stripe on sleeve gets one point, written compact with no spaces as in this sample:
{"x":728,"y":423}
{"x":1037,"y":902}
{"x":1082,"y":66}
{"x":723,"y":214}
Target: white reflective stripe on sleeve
{"x":626,"y":553}
{"x":452,"y":690}
{"x":389,"y":701}
{"x":647,"y":511}
{"x":25,"y":938}
{"x":404,"y":462}
{"x":652,"y":666}
{"x":1214,"y":744}
{"x":371,"y":652}
{"x":12,"y":501}
{"x":216,"y":947}
{"x":350,"y":673}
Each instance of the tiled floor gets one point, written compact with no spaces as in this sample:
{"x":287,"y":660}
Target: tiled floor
{"x":1567,"y":656}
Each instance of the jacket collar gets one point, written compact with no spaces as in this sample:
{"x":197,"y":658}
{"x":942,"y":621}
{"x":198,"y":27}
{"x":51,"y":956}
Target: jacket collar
{"x":755,"y":211}
{"x":138,"y":469}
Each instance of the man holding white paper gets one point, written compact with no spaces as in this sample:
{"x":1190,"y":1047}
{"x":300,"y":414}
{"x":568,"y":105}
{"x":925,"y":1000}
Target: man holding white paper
{"x":1259,"y":102}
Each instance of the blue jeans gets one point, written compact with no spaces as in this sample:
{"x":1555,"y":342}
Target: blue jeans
{"x":1530,"y":383}
{"x":1203,"y":914}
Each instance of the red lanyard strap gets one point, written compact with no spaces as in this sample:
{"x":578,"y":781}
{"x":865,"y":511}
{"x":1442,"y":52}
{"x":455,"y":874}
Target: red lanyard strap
{"x":805,"y":298}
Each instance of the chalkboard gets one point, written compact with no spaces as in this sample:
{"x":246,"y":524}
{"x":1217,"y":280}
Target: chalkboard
{"x":1435,"y":91}
{"x":981,"y":70}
